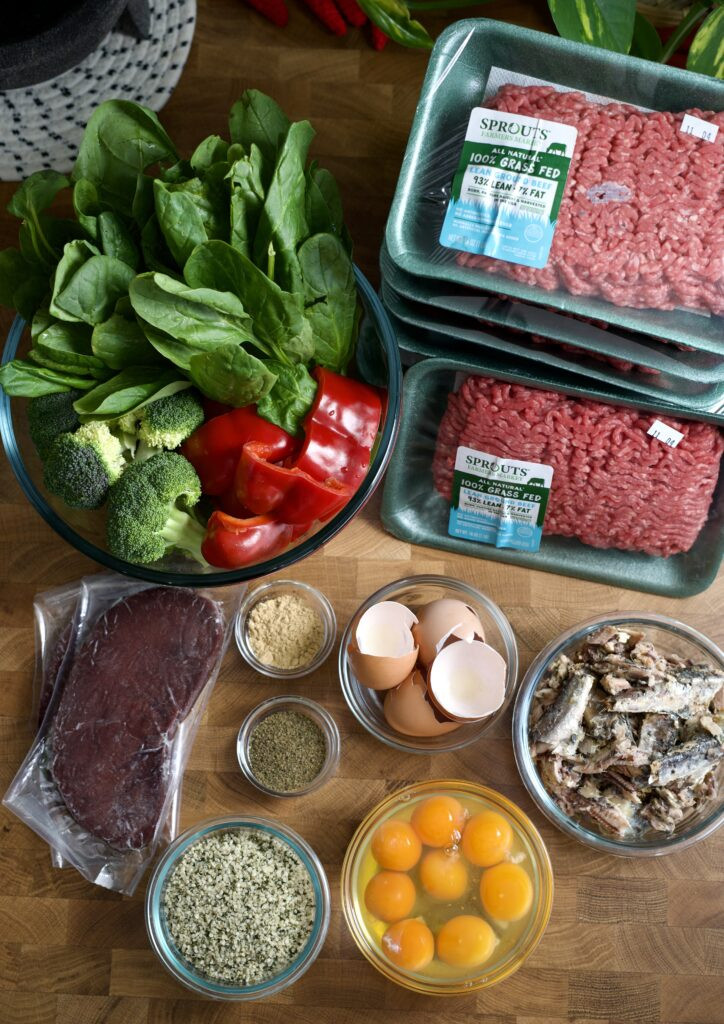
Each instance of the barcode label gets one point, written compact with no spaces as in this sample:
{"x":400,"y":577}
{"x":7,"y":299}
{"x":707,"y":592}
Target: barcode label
{"x":664,"y":433}
{"x":696,"y":126}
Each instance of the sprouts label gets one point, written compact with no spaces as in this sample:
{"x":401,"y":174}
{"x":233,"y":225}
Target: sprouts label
{"x":508,"y":187}
{"x":499,"y":501}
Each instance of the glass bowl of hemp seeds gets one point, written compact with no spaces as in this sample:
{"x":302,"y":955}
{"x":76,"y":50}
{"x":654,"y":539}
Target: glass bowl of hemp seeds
{"x":288,"y":746}
{"x":285,"y":629}
{"x":238,"y":908}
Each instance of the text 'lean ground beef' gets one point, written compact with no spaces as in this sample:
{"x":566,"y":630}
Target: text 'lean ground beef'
{"x":135,"y":678}
{"x":661,"y":243}
{"x":614,"y":486}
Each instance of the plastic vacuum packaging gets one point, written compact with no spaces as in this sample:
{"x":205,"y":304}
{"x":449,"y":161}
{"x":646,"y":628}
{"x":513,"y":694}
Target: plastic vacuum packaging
{"x":102,"y":775}
{"x":567,"y":176}
{"x":539,"y":468}
{"x":54,"y":613}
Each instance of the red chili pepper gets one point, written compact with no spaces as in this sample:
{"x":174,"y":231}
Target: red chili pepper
{"x":231,"y":543}
{"x":352,"y":12}
{"x":339,"y":429}
{"x":379,"y":39}
{"x":214,"y":449}
{"x":291,"y":494}
{"x":274,"y":11}
{"x":328,"y":15}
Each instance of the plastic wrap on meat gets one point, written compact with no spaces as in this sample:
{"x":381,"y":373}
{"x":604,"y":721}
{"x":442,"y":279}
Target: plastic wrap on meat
{"x":135,"y":678}
{"x":614,"y":486}
{"x":641,"y":222}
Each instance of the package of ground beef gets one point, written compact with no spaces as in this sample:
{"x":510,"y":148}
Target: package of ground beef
{"x":615,"y":483}
{"x":124,"y":675}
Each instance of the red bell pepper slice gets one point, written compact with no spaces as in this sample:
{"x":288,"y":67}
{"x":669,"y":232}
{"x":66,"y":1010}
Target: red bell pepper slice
{"x":340,"y":429}
{"x":231,"y":543}
{"x":293,"y":495}
{"x":214,"y":449}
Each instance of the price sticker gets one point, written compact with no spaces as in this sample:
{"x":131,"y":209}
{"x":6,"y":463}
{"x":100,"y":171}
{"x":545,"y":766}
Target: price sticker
{"x":664,"y":433}
{"x":691,"y":125}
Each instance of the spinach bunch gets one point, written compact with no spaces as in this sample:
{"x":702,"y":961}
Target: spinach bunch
{"x":229,"y":270}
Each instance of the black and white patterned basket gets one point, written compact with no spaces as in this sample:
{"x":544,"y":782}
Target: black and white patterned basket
{"x":41,"y":126}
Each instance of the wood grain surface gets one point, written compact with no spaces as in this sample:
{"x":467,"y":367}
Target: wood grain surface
{"x":629,"y":940}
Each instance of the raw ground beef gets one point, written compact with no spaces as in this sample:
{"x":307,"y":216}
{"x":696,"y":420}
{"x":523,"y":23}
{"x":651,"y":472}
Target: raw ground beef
{"x":614,"y":486}
{"x":661,"y":248}
{"x":135,"y":678}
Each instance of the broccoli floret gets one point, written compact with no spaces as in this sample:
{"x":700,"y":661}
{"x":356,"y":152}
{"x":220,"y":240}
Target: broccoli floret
{"x":147,"y":510}
{"x":51,"y":415}
{"x":167,"y":422}
{"x":81,"y":466}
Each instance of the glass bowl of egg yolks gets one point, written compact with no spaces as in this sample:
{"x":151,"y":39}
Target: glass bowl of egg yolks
{"x":447,"y":887}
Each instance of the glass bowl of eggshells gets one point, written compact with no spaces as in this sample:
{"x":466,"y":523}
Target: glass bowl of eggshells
{"x":428,"y":664}
{"x":447,"y":887}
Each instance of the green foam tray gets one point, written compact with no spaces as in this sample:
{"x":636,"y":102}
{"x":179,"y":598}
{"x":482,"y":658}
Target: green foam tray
{"x":417,"y":333}
{"x":457,"y":73}
{"x":414,"y":511}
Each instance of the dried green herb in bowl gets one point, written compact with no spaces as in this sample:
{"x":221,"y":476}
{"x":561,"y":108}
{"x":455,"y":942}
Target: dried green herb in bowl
{"x":288,"y":746}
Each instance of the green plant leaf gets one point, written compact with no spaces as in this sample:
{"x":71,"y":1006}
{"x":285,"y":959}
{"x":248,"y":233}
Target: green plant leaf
{"x":23,"y":285}
{"x":156,"y":254}
{"x":256,"y":119}
{"x":116,"y":240}
{"x":282,"y":222}
{"x":331,"y":298}
{"x":41,"y":238}
{"x":393,"y":17}
{"x":280,"y":329}
{"x":120,"y":342}
{"x":231,"y":375}
{"x":88,"y":285}
{"x":646,"y":41}
{"x":706,"y":53}
{"x":291,"y":397}
{"x":605,"y":23}
{"x":208,"y":152}
{"x":120,"y":141}
{"x":69,"y":346}
{"x":323,"y":203}
{"x":247,"y":199}
{"x":189,"y":319}
{"x":189,"y":213}
{"x":129,"y":390}
{"x":22,"y":379}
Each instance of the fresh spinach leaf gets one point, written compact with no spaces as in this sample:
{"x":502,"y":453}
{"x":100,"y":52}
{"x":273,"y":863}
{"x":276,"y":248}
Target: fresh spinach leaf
{"x":189,"y":213}
{"x":21,"y":379}
{"x":331,"y":296}
{"x":87,"y":285}
{"x":69,"y":345}
{"x":180,"y":171}
{"x":87,"y":206}
{"x":116,"y":240}
{"x":323,"y":204}
{"x":121,"y":140}
{"x":247,"y":198}
{"x":32,"y":197}
{"x":211,"y":151}
{"x":280,"y":328}
{"x":129,"y":390}
{"x":156,"y":254}
{"x":193,"y":318}
{"x":290,"y":399}
{"x":23,"y":286}
{"x":282,"y":222}
{"x":257,"y":119}
{"x":231,"y":375}
{"x":120,"y":342}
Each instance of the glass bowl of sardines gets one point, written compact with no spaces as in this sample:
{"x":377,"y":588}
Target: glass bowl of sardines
{"x":200,"y":387}
{"x":220,"y":932}
{"x":618,"y":731}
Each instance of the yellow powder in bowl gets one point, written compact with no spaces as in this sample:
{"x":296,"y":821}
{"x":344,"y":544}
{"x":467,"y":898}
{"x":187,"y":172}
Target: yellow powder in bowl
{"x":284,"y":632}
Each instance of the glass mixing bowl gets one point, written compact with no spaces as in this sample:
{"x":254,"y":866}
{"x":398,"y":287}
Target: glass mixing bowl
{"x":509,"y":955}
{"x":175,"y":963}
{"x":378,"y":363}
{"x":414,"y":591}
{"x":670,"y":637}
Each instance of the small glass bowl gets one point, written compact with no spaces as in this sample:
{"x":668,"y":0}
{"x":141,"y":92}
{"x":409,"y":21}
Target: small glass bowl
{"x":314,"y":598}
{"x":304,"y":706}
{"x":179,"y":967}
{"x":670,"y":637}
{"x":353,"y":876}
{"x":414,"y":591}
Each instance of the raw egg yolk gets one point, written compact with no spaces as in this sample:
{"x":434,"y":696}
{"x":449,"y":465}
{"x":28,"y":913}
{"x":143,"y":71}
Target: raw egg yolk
{"x":506,"y":892}
{"x":390,"y":895}
{"x":465,"y":941}
{"x":439,"y":820}
{"x":487,"y":839}
{"x":443,"y":875}
{"x":409,"y":944}
{"x":396,"y":846}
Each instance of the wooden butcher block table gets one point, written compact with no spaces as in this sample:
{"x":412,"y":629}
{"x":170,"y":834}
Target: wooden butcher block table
{"x":628,"y":940}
